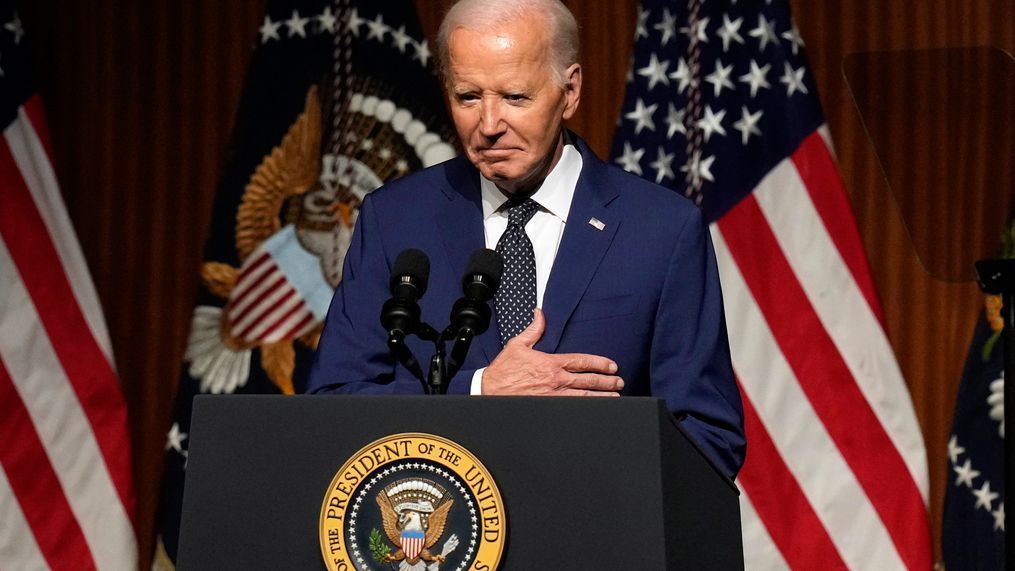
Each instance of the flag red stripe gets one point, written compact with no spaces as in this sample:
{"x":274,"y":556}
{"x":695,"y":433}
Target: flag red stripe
{"x":248,"y":281}
{"x":270,"y":289}
{"x":281,"y":320}
{"x":36,"y":486}
{"x":90,"y":373}
{"x":295,"y":330}
{"x":827,"y":382}
{"x":265,"y":311}
{"x":249,"y":276}
{"x":33,"y":108}
{"x":780,"y":502}
{"x":820,"y":176}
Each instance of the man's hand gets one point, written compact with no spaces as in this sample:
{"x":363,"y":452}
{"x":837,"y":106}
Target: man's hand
{"x":521,"y":370}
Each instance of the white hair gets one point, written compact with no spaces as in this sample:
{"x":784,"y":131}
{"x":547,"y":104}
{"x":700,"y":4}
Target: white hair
{"x":490,"y":15}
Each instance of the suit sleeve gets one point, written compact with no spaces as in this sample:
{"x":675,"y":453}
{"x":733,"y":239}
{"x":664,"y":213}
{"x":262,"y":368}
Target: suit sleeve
{"x":690,"y":359}
{"x":352,"y":356}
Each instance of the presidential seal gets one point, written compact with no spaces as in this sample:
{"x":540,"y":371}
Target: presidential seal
{"x":412,"y":502}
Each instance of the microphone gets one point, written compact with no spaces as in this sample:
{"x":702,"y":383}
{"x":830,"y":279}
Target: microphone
{"x":480,"y":282}
{"x":470,"y":316}
{"x":400,"y":315}
{"x":408,"y":283}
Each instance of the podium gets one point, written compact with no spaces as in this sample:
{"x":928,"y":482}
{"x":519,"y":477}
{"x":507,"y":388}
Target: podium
{"x":586,"y":483}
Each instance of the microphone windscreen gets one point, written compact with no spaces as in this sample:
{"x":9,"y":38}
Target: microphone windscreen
{"x":414,"y":264}
{"x":488,"y":263}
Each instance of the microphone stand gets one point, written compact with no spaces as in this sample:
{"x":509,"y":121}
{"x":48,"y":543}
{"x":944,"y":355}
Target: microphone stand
{"x":470,"y":316}
{"x":442,"y":366}
{"x":437,"y":377}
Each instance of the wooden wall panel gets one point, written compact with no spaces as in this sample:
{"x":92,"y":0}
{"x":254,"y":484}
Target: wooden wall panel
{"x":141,"y":96}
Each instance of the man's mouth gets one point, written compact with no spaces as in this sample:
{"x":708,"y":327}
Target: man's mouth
{"x":496,"y":152}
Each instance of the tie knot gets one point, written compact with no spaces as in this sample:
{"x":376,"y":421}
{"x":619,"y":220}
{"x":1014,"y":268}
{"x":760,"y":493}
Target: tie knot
{"x":520,"y":211}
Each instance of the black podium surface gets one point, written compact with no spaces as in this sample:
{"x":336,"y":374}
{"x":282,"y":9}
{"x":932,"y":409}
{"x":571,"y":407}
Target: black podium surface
{"x":586,"y":483}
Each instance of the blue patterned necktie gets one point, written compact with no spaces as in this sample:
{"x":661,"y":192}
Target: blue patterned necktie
{"x":516,"y":297}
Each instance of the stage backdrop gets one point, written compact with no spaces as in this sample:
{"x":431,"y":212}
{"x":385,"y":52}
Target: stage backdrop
{"x":141,"y":98}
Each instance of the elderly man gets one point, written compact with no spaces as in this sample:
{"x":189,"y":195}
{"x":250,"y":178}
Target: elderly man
{"x":610,"y":285}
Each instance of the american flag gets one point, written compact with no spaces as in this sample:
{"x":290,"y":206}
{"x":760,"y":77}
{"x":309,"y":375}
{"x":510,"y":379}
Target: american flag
{"x":722,"y":107}
{"x":66,"y":490}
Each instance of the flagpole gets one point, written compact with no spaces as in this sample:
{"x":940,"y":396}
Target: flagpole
{"x":997,"y":277}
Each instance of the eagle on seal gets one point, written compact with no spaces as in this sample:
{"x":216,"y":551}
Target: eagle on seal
{"x":415,"y":528}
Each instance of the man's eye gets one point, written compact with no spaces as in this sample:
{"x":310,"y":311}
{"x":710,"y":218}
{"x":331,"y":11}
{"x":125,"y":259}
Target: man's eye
{"x":515,"y":97}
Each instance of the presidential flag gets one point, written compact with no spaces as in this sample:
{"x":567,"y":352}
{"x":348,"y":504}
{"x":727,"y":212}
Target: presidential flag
{"x":66,"y":484}
{"x":973,"y":532}
{"x":341,"y":96}
{"x":721,"y":107}
{"x":973,"y":524}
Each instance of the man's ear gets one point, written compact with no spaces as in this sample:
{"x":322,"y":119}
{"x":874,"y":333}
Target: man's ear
{"x":572,"y":89}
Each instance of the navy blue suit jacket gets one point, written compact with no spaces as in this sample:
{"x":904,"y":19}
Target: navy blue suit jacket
{"x":643,"y":291}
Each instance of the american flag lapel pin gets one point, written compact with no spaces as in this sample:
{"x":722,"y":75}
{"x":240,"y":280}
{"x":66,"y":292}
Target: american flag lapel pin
{"x":597,"y":224}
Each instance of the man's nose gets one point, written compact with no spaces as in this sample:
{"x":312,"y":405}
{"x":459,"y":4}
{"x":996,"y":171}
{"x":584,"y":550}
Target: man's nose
{"x":491,"y":120}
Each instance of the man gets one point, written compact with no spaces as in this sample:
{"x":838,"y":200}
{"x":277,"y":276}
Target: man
{"x":622,"y":270}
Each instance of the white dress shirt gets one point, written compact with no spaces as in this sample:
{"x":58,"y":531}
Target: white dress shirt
{"x":544,"y":229}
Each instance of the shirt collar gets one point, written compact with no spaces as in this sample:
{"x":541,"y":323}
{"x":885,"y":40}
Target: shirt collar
{"x":553,"y":196}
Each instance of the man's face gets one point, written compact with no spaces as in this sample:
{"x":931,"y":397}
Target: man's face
{"x":507,"y":108}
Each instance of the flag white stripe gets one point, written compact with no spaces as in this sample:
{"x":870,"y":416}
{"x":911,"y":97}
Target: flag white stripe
{"x":61,"y":424}
{"x":810,"y":453}
{"x":255,"y":292}
{"x":18,"y":548}
{"x":265,"y":319}
{"x":843,"y":311}
{"x":279,"y":332}
{"x":265,"y":308}
{"x":760,"y":552}
{"x":826,"y":135}
{"x":33,"y":162}
{"x":249,"y":280}
{"x":306,"y":327}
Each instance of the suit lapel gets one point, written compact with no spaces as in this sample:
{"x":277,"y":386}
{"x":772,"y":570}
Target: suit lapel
{"x":460,"y":222}
{"x":582,"y":247}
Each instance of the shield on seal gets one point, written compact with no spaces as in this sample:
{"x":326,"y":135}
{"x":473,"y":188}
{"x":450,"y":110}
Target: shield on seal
{"x":412,"y":542}
{"x":280,"y":293}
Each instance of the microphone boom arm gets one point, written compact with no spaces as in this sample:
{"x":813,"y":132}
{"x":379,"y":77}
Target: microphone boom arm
{"x":401,"y":351}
